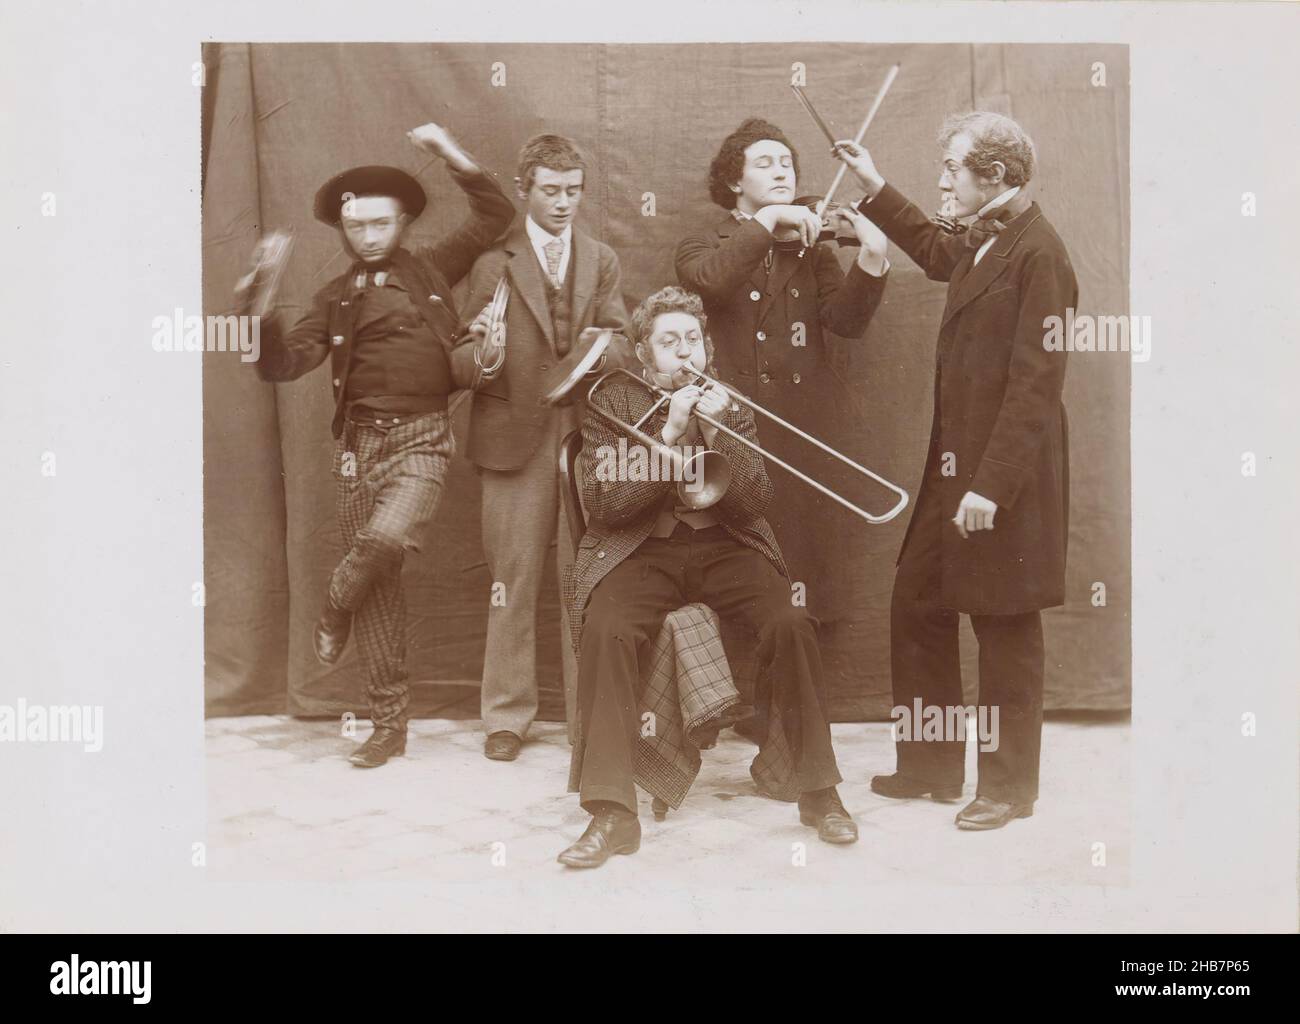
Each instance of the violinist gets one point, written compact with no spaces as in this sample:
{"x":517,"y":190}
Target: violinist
{"x":773,"y":294}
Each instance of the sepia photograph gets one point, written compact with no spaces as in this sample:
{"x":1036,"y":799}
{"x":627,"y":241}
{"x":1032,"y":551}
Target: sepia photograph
{"x":634,"y":435}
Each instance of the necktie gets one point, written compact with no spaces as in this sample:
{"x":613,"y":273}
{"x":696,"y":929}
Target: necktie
{"x":554,"y":249}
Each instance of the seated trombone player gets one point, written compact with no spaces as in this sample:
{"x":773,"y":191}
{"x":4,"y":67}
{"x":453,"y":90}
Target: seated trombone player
{"x":650,"y":548}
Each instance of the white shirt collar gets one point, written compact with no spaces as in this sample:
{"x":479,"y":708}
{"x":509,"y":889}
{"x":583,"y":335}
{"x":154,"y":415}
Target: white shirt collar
{"x":996,"y":203}
{"x":999,"y":201}
{"x":539,"y":237}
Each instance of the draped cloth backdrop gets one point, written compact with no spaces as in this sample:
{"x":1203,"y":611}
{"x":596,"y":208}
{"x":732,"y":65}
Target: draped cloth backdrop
{"x":281,"y":118}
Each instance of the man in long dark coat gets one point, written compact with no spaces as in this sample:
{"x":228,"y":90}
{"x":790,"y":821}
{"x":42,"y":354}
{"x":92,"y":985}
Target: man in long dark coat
{"x":988,"y":534}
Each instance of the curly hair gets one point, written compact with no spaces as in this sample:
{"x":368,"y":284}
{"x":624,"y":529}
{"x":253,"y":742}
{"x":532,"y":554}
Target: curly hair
{"x":553,"y":151}
{"x":671,"y":299}
{"x":994,"y":138}
{"x":729,"y":163}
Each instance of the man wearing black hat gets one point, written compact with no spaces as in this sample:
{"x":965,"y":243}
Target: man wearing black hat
{"x":387,"y":324}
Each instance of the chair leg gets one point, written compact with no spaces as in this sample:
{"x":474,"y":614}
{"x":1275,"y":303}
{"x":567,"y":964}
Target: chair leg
{"x":659,"y":808}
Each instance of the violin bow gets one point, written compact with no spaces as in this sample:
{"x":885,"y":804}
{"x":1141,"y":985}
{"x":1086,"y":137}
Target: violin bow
{"x":802,"y":97}
{"x":890,"y":75}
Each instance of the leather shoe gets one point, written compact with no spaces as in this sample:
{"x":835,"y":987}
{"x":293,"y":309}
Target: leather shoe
{"x":982,"y":814}
{"x":609,"y":832}
{"x":502,"y":746}
{"x":331,"y":634}
{"x":903,"y":787}
{"x":384,"y":742}
{"x":823,"y":809}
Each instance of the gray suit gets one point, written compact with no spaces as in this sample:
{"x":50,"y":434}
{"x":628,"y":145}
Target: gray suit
{"x":514,"y":441}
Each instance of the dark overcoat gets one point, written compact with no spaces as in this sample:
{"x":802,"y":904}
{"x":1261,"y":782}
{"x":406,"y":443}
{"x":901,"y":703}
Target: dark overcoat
{"x":999,"y":425}
{"x":771,"y":314}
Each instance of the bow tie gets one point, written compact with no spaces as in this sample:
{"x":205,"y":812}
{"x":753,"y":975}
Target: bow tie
{"x":372,"y":276}
{"x":976,"y":233}
{"x":982,"y":230}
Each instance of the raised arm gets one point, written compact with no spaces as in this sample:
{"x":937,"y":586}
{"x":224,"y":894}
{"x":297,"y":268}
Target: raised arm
{"x":490,"y":211}
{"x":930,"y":247}
{"x":715,"y":268}
{"x":846,"y":302}
{"x":287,"y":355}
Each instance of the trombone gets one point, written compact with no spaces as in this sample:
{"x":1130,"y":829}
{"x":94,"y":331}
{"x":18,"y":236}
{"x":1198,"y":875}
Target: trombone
{"x":715,"y":480}
{"x":702,"y":479}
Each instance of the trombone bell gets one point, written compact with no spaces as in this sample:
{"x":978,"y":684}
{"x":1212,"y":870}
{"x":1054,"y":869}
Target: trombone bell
{"x":702,"y":479}
{"x":711,"y":473}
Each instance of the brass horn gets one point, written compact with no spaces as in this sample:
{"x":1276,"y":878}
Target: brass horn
{"x":736,"y":396}
{"x":702,"y":478}
{"x":713,"y":467}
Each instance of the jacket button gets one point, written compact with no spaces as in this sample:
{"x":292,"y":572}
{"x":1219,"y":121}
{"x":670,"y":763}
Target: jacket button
{"x":546,"y":366}
{"x":754,"y":295}
{"x":765,"y":378}
{"x":761,"y":336}
{"x":344,"y":303}
{"x":796,"y":378}
{"x":337,"y":339}
{"x":336,"y":382}
{"x":600,"y":554}
{"x":794,"y":293}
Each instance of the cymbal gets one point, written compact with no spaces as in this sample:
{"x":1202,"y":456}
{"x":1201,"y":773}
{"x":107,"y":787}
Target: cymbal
{"x":559,"y":381}
{"x":259,"y":287}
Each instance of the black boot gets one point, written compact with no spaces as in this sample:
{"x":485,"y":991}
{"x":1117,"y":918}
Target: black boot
{"x":612,"y":829}
{"x":331,"y":634}
{"x":823,"y":810}
{"x":903,"y":787}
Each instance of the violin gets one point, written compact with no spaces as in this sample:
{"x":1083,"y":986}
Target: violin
{"x":829,"y":234}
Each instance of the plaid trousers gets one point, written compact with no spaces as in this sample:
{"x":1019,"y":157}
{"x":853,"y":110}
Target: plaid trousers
{"x":390,"y":480}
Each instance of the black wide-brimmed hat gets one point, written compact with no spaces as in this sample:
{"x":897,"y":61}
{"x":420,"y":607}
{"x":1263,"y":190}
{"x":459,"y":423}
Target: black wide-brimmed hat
{"x":369,"y":181}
